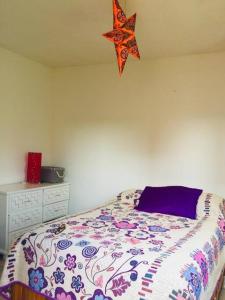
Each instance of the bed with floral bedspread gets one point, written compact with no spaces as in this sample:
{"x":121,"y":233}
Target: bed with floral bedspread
{"x":117,"y":252}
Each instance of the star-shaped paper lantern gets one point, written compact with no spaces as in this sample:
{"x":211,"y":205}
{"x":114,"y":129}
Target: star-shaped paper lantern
{"x":123,"y":35}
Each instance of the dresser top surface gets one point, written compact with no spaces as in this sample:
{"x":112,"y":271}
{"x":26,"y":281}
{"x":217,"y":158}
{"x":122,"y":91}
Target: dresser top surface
{"x":23,"y":186}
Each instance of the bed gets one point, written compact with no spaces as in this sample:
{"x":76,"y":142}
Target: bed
{"x":117,"y":252}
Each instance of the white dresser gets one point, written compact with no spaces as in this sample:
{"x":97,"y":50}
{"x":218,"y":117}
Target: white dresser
{"x":23,"y":206}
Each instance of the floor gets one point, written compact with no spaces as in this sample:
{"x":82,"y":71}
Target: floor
{"x":1,"y":267}
{"x":1,"y":263}
{"x":222,"y":297}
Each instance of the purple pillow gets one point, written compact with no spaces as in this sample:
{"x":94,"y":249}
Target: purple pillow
{"x":171,"y":200}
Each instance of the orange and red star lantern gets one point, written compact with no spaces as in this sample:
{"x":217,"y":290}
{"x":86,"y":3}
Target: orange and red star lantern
{"x":123,"y":35}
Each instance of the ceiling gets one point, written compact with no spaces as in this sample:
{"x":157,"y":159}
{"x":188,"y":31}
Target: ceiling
{"x":68,"y":32}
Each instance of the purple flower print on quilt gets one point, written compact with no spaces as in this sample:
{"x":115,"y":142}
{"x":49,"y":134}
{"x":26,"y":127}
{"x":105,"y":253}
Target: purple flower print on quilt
{"x":99,"y":295}
{"x":120,"y":285}
{"x":105,"y":217}
{"x":156,"y":228}
{"x":82,"y":243}
{"x":200,"y":258}
{"x":89,"y":251}
{"x":125,"y":225}
{"x":70,"y":262}
{"x":140,"y":235}
{"x":59,"y":276}
{"x":193,"y":278}
{"x":117,"y":254}
{"x":29,"y":254}
{"x":77,"y":284}
{"x":64,"y":244}
{"x":220,"y":238}
{"x":210,"y":255}
{"x":135,"y":251}
{"x":198,"y":275}
{"x":37,"y":279}
{"x":94,"y":224}
{"x":221,"y":224}
{"x":61,"y":294}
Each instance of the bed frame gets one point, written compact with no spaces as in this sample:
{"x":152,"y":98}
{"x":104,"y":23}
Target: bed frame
{"x":21,"y":292}
{"x":219,"y":286}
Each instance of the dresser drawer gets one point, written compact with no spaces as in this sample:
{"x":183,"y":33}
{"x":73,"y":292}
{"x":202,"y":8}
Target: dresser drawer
{"x":55,"y":210}
{"x":25,"y":200}
{"x":57,"y":194}
{"x":25,"y":219}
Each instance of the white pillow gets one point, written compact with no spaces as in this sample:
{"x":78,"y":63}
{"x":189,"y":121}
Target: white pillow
{"x":210,"y":205}
{"x":129,"y":196}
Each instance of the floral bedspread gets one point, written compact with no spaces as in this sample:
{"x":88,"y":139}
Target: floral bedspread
{"x":117,"y":252}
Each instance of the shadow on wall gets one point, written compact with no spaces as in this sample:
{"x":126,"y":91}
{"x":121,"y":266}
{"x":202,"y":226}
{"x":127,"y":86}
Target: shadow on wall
{"x":104,"y":159}
{"x":159,"y":124}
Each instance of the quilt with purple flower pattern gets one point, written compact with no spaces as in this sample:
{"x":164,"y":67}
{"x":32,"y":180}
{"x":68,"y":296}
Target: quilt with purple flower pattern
{"x":117,"y":252}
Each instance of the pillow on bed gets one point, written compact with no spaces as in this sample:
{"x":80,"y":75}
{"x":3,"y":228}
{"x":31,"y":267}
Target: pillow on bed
{"x":130,"y":196}
{"x":171,"y":200}
{"x":211,"y":205}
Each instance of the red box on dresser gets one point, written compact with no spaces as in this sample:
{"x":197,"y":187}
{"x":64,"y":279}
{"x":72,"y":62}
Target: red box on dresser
{"x":34,"y":167}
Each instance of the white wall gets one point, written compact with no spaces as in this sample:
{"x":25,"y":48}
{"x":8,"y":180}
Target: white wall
{"x":25,"y":114}
{"x":162,"y":123}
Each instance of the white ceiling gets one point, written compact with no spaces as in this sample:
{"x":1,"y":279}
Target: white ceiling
{"x":68,"y":32}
